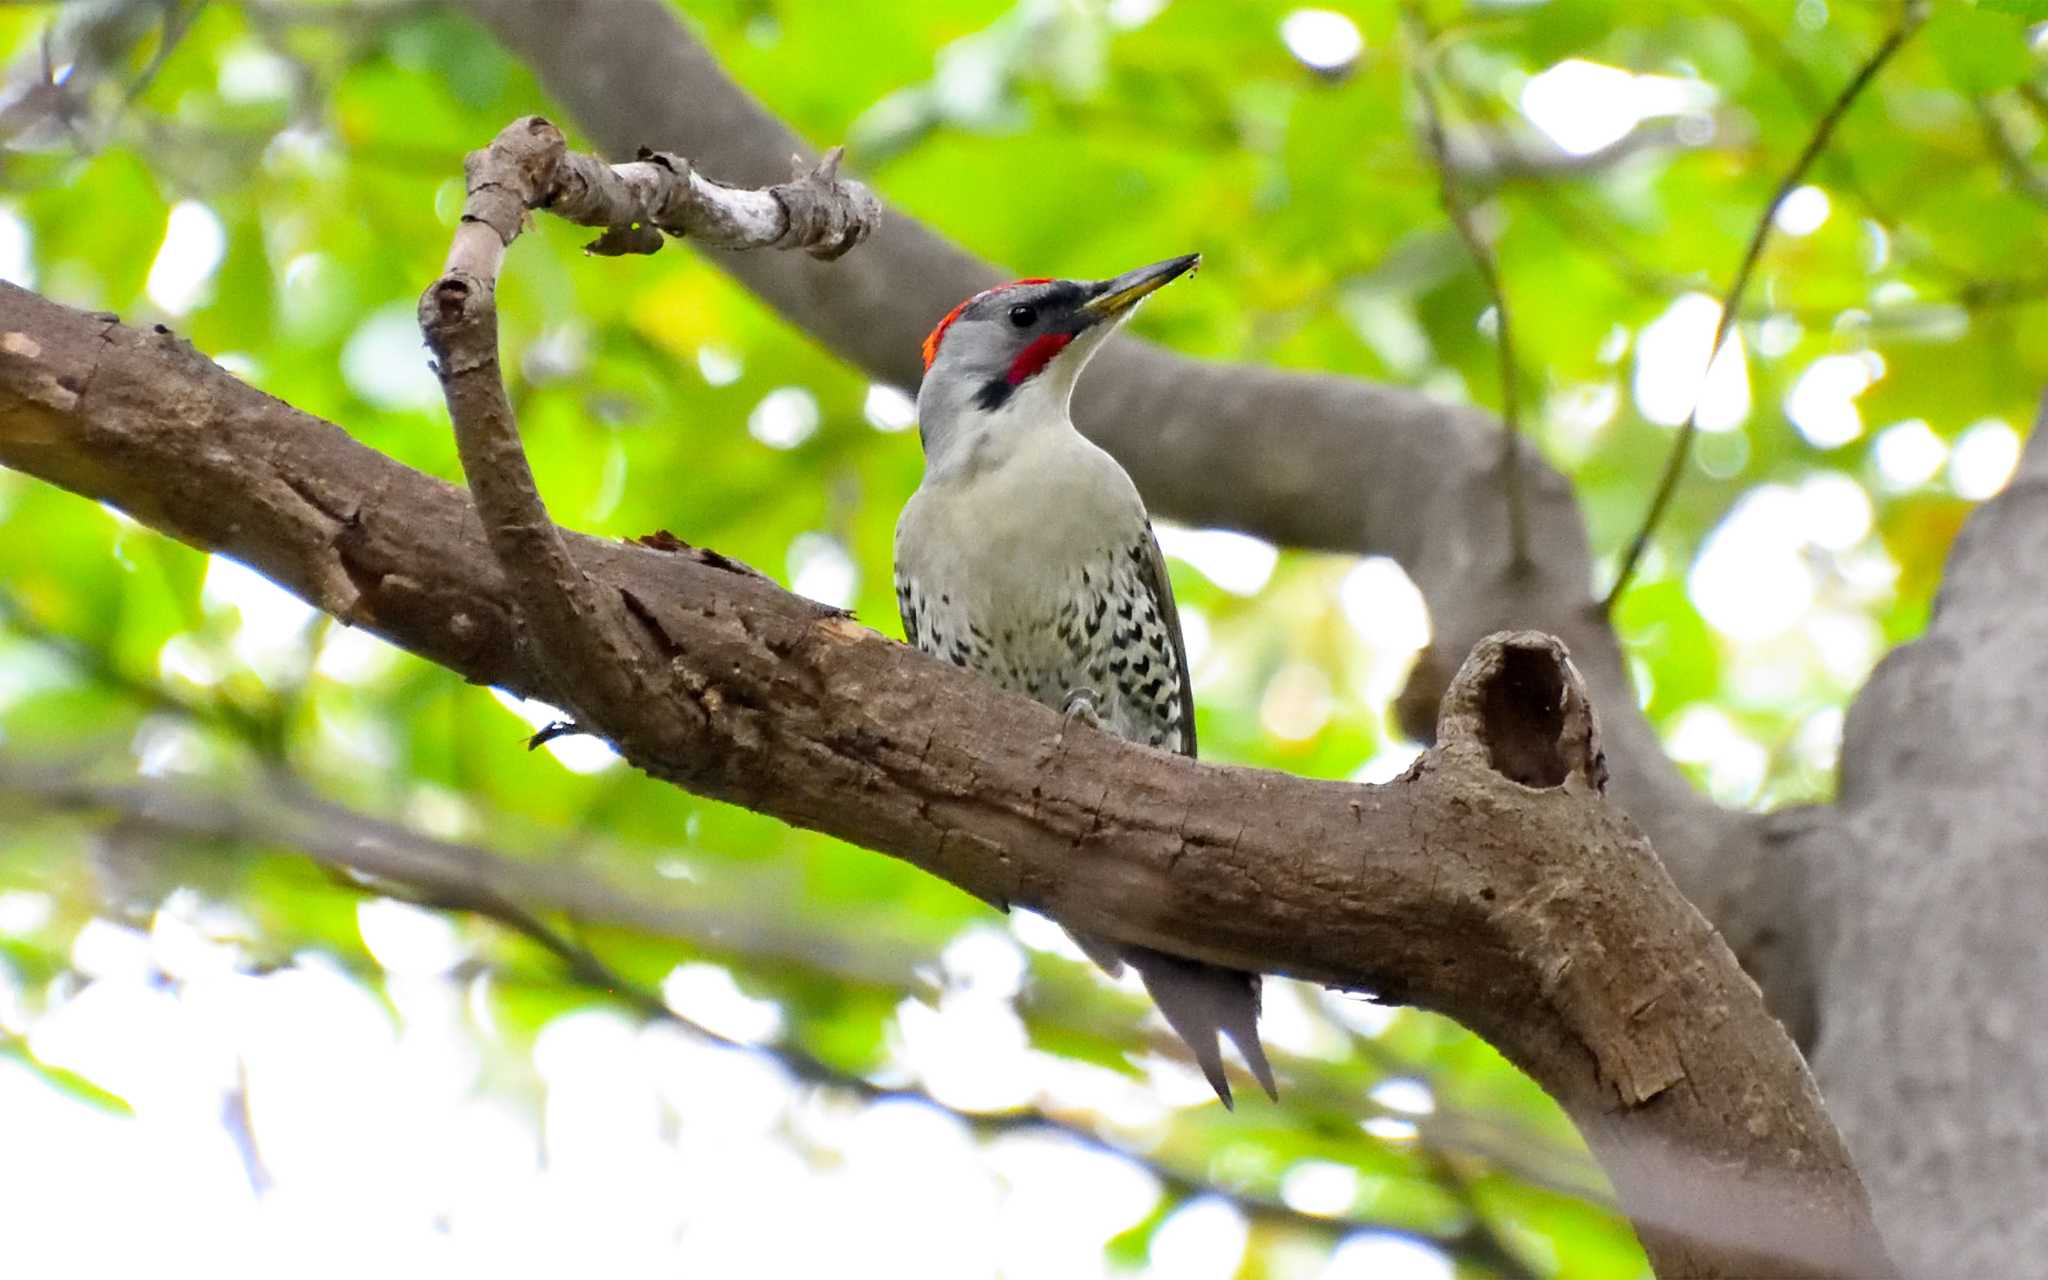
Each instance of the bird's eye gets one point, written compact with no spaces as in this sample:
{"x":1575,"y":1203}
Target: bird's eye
{"x":1023,"y":316}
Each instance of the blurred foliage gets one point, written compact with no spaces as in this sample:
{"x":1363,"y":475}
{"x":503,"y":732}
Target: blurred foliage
{"x":279,"y":180}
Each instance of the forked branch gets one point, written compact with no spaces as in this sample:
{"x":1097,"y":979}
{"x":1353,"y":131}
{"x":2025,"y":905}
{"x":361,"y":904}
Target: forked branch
{"x":1516,"y":723}
{"x":603,"y":662}
{"x":1493,"y":882}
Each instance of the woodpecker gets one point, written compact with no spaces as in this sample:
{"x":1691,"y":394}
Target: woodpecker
{"x":1026,"y":556}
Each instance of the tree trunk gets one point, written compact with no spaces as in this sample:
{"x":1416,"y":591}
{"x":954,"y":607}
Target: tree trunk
{"x":1934,"y":969}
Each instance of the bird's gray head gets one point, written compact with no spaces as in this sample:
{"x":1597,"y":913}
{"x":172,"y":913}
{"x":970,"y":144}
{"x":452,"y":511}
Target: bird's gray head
{"x":1006,"y":359}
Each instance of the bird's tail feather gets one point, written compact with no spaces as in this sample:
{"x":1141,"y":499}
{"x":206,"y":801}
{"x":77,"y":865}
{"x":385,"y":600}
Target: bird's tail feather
{"x":1202,"y":1002}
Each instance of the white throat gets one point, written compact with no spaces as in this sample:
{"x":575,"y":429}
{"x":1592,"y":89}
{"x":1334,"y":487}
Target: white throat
{"x":962,"y":439}
{"x":979,"y":440}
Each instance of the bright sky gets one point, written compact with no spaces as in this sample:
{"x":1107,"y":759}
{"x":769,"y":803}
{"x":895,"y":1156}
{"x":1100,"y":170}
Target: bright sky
{"x":297,"y":1123}
{"x":1584,"y":106}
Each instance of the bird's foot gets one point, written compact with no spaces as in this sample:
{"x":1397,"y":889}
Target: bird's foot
{"x":1079,"y":706}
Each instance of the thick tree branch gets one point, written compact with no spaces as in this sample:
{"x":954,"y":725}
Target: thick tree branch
{"x":1306,"y":460}
{"x":276,"y":809}
{"x":1935,"y":971}
{"x":1531,"y":911}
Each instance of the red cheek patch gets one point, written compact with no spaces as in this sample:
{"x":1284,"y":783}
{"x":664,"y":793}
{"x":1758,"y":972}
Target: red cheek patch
{"x":938,"y":333}
{"x":1036,"y":356}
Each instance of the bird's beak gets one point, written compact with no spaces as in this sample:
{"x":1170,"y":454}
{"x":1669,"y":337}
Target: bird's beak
{"x":1116,"y":297}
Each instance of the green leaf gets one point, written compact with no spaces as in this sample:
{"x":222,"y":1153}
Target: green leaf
{"x":2031,"y":10}
{"x":64,"y":1080}
{"x":1982,"y":52}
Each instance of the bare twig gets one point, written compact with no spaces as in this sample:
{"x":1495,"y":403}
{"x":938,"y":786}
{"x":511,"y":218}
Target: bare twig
{"x":1911,"y":15}
{"x":96,"y":41}
{"x":99,"y":666}
{"x":1970,"y":291}
{"x":604,"y":660}
{"x":1771,"y":45}
{"x":1460,"y":214}
{"x":528,"y":166}
{"x":2025,"y":178}
{"x":177,"y":20}
{"x":277,"y":809}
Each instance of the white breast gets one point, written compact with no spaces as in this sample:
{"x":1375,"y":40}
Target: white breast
{"x":1003,"y":537}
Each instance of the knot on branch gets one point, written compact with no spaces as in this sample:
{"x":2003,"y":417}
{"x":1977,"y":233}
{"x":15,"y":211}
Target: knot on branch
{"x":1520,"y":702}
{"x":826,"y":215}
{"x":514,"y":173}
{"x":659,"y":181}
{"x":624,"y":240}
{"x":529,"y":166}
{"x":459,"y":319}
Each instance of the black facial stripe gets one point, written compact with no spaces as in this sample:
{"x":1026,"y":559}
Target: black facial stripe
{"x":993,"y":394}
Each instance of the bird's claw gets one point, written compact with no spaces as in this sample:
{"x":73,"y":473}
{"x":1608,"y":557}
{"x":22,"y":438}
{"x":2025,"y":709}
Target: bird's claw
{"x":552,"y":730}
{"x":1079,"y":706}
